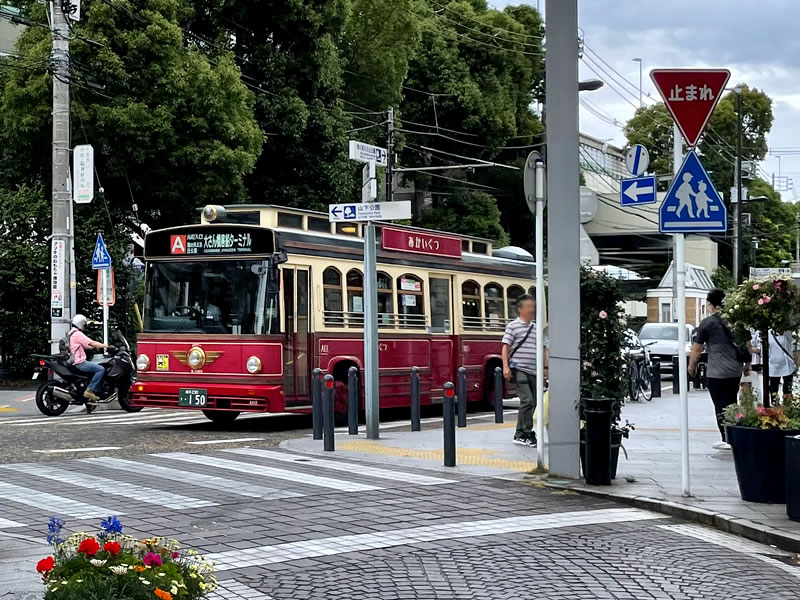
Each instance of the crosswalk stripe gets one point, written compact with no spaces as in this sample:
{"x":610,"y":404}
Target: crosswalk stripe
{"x":7,"y":523}
{"x":280,"y":553}
{"x":53,"y":503}
{"x":349,"y":467}
{"x":255,"y":469}
{"x":118,"y":419}
{"x":110,"y":486}
{"x":229,"y":486}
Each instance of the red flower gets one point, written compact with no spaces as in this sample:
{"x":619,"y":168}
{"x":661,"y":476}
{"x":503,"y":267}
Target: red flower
{"x":175,"y":555}
{"x":112,"y":548}
{"x":89,"y":547}
{"x":45,"y":565}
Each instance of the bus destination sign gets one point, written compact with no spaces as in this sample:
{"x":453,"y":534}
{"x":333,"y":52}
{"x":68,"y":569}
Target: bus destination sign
{"x":420,"y":243}
{"x":209,"y":240}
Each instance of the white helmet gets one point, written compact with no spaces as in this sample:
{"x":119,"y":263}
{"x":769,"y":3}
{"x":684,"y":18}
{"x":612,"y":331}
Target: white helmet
{"x":79,"y":321}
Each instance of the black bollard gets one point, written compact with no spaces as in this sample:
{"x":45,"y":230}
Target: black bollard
{"x":415,"y":409}
{"x":316,"y":403}
{"x":498,"y":395}
{"x":655,"y":377}
{"x":449,"y":425}
{"x":675,"y":379}
{"x":327,"y":413}
{"x":461,"y":397}
{"x":352,"y":401}
{"x":598,"y":441}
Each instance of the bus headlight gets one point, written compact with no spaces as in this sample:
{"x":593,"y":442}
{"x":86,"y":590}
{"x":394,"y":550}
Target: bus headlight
{"x":196,"y":358}
{"x":253,"y":364}
{"x":142,"y":362}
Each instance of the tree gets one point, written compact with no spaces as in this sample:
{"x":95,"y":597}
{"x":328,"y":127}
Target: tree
{"x":470,"y":213}
{"x":651,"y":127}
{"x":772,"y":224}
{"x":723,"y":279}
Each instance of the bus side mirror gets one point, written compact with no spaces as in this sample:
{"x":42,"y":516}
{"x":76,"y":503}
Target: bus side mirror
{"x":278,"y":258}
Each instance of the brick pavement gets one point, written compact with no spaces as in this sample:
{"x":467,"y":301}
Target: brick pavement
{"x":289,"y":526}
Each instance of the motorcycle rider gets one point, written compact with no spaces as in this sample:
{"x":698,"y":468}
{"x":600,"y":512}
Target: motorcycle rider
{"x":79,"y":342}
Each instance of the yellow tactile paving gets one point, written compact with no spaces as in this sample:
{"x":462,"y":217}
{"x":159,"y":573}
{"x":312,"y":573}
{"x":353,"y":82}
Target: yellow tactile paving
{"x":8,"y":409}
{"x":465,"y":456}
{"x":492,"y":426}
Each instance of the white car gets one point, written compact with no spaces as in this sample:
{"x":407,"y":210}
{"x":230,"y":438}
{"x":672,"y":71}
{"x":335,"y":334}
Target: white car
{"x":662,"y":342}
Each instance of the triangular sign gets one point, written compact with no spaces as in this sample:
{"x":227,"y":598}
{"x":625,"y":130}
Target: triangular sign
{"x":690,"y":96}
{"x":692,"y":204}
{"x":101,"y":259}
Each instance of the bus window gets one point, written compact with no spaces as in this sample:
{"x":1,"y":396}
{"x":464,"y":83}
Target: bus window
{"x":355,"y":298}
{"x":471,"y":304}
{"x":385,"y":301}
{"x":513,"y":292}
{"x":332,"y":297}
{"x":495,"y":306}
{"x":412,"y":302}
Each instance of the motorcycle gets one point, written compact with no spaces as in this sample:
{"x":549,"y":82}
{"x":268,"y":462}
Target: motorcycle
{"x":56,"y":395}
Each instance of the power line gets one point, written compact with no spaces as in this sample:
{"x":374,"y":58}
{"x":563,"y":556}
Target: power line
{"x":474,"y":20}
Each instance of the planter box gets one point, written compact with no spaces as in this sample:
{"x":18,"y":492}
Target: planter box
{"x":616,"y":442}
{"x":793,"y":477}
{"x":759,"y":458}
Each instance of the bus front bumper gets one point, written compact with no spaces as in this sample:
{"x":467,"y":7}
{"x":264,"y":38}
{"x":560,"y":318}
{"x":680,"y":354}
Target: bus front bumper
{"x":220,"y":396}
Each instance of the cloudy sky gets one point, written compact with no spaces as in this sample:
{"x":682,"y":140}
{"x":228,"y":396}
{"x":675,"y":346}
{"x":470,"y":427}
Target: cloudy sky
{"x":757,"y":41}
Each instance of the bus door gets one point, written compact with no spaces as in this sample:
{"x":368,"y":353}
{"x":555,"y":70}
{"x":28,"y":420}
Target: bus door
{"x":442,"y":344}
{"x":296,"y":303}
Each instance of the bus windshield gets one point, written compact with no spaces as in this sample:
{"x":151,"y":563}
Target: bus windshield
{"x":215,"y":296}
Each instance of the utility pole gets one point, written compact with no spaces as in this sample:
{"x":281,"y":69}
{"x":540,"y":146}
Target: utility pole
{"x":797,"y":242}
{"x":737,"y":236}
{"x":61,"y":299}
{"x":389,"y":152}
{"x":561,"y":66}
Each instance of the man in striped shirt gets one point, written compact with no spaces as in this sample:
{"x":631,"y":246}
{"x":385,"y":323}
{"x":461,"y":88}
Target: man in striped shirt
{"x":519,"y":366}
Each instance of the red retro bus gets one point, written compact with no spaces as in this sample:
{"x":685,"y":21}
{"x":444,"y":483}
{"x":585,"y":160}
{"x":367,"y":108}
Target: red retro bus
{"x":241,"y":308}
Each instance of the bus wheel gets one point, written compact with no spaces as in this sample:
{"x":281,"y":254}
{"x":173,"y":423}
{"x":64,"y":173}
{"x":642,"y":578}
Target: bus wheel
{"x":221,"y":416}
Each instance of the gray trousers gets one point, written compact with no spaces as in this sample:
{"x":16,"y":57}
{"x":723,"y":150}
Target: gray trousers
{"x":526,"y":390}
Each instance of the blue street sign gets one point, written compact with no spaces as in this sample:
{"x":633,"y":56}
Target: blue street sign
{"x":101,"y":259}
{"x":692,"y":204}
{"x":638,"y":190}
{"x":637,"y":159}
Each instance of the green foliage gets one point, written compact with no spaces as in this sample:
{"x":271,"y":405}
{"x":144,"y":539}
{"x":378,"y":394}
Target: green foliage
{"x":773,"y":224}
{"x":763,"y":305}
{"x":749,"y":414}
{"x":723,"y":279}
{"x":24,"y":274}
{"x":651,"y":126}
{"x":470,"y":213}
{"x":603,"y":339}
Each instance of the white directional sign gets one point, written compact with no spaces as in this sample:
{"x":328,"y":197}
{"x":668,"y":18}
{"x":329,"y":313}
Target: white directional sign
{"x":83,"y":174}
{"x":369,"y":182}
{"x":369,"y":211}
{"x":366,"y":152}
{"x":637,"y":159}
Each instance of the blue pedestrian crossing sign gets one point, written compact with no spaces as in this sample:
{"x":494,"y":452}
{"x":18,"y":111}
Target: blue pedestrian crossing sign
{"x":692,"y":204}
{"x":637,"y":190}
{"x":101,"y":259}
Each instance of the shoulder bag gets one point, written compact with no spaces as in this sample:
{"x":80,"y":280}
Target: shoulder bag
{"x":517,"y":347}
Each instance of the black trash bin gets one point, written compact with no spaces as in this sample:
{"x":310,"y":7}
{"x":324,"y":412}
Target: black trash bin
{"x":597,"y":412}
{"x":793,"y":477}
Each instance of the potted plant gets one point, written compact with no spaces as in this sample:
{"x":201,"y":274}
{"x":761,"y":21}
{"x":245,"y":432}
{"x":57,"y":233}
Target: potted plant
{"x":111,"y":566}
{"x":771,"y":304}
{"x":757,"y":438}
{"x":603,"y":361}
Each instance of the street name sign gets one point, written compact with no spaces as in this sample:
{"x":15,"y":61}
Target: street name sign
{"x":366,"y":152}
{"x":637,"y":159}
{"x":369,"y":182}
{"x":690,"y":96}
{"x":692,"y":204}
{"x":637,"y":190}
{"x":101,"y":259}
{"x":369,"y":211}
{"x":83,"y":174}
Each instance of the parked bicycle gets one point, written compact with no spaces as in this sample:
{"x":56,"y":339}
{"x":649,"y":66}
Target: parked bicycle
{"x":639,"y":372}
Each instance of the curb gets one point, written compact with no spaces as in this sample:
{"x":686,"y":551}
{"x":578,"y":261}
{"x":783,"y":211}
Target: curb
{"x":745,"y":528}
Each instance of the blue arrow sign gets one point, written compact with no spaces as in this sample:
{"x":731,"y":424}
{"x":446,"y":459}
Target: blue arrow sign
{"x":692,"y":204}
{"x":101,"y":259}
{"x":638,"y":190}
{"x":335,"y":210}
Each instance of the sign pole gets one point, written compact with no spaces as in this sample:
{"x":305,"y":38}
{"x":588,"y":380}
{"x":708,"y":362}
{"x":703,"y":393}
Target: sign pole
{"x":371,"y":399}
{"x":540,"y":300}
{"x":105,"y":306}
{"x":679,"y":272}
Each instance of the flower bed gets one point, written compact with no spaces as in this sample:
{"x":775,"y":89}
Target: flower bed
{"x":114,"y":566}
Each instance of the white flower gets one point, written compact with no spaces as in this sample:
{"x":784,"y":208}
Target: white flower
{"x":119,"y":569}
{"x":174,"y":590}
{"x":97,"y":562}
{"x":144,"y":581}
{"x":161,"y":574}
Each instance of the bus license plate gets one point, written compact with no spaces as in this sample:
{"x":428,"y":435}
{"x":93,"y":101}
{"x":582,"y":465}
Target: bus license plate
{"x":192,"y":397}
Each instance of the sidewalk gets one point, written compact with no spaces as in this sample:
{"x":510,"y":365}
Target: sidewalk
{"x":649,"y":478}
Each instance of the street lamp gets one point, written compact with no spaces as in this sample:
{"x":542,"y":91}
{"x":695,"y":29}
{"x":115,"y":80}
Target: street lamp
{"x":639,"y":60}
{"x":590,"y":85}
